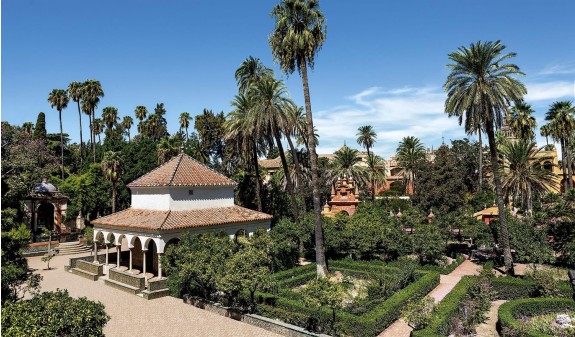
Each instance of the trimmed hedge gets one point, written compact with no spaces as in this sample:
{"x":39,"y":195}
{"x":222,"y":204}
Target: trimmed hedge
{"x":446,"y":310}
{"x":447,"y":269}
{"x":509,"y":312}
{"x":510,"y":288}
{"x":290,"y":309}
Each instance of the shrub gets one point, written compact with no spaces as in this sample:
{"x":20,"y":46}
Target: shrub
{"x":547,"y":283}
{"x":418,"y":313}
{"x":511,"y":288}
{"x":510,"y":312}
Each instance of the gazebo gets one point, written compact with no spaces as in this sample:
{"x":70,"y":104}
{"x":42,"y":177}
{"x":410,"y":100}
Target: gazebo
{"x":178,"y":197}
{"x":45,"y":207}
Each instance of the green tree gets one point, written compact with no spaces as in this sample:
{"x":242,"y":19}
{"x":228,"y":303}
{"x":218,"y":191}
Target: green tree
{"x":366,"y":137}
{"x":345,"y":164}
{"x":211,"y":133}
{"x":480,"y":81}
{"x":561,"y":127}
{"x":168,"y":148}
{"x":323,"y":292}
{"x":409,"y":152}
{"x":298,"y":35}
{"x":523,"y":172}
{"x":97,"y":129}
{"x":250,"y":72}
{"x":248,"y":269}
{"x":40,"y":129}
{"x":127,"y":122}
{"x":185,"y":123}
{"x":197,"y":263}
{"x":75,"y":92}
{"x":54,"y":314}
{"x":91,"y":94}
{"x":521,"y":122}
{"x":140,"y":112}
{"x":376,"y":173}
{"x":113,"y":168}
{"x":110,"y":116}
{"x":59,"y":98}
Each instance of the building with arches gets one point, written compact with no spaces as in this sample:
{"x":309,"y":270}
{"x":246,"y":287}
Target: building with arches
{"x":45,"y":208}
{"x":180,"y":196}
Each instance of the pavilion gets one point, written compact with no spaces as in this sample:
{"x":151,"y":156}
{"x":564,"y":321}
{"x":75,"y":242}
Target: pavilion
{"x":180,"y":196}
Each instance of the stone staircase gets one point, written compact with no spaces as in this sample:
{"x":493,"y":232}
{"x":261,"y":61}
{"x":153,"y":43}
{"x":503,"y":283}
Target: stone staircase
{"x":69,"y":248}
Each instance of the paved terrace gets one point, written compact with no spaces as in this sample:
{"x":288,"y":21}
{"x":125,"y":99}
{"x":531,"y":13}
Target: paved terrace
{"x":134,"y":316}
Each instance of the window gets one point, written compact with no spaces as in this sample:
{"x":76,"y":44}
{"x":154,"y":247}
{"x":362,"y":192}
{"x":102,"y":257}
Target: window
{"x":190,"y":192}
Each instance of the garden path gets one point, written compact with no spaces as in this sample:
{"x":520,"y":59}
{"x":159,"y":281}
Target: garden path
{"x":489,"y":327}
{"x":134,"y":316}
{"x":447,"y":282}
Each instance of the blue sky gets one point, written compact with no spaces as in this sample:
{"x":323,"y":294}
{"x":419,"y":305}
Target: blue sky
{"x":383,"y":62}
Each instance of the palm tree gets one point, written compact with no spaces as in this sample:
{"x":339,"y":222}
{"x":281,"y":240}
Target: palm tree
{"x":250,"y":72}
{"x":91,"y":93}
{"x":482,"y":84}
{"x":141,"y":112}
{"x":97,"y":128}
{"x":376,"y":173}
{"x":168,"y":147}
{"x":28,"y":127}
{"x":241,"y":131}
{"x":113,"y":168}
{"x":561,"y":127}
{"x":75,"y":92}
{"x":521,"y":122}
{"x":59,"y":98}
{"x":366,"y":137}
{"x":545,"y":132}
{"x":298,"y":35}
{"x":344,"y":164}
{"x":110,"y":116}
{"x":523,"y":172}
{"x":160,"y":110}
{"x":409,"y":152}
{"x":185,"y":122}
{"x":270,"y":109}
{"x":127,"y":122}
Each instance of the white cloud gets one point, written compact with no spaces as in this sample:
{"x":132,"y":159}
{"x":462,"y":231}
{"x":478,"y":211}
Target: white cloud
{"x":564,"y":68}
{"x":545,"y":91}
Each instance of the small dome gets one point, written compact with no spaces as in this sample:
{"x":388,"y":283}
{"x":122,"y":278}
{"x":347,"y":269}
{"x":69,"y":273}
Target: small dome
{"x":44,"y":187}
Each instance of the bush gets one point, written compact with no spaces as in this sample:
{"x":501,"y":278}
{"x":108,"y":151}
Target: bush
{"x":418,"y":313}
{"x":510,"y":312}
{"x":510,"y":288}
{"x":54,"y":314}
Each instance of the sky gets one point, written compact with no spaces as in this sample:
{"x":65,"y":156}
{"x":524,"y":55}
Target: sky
{"x":383,"y":62}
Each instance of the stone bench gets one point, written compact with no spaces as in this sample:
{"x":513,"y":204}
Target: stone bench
{"x":157,"y":287}
{"x":122,"y":286}
{"x":85,"y":274}
{"x":88,"y":270}
{"x":132,"y":283}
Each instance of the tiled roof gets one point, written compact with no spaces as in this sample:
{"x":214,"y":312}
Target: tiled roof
{"x":172,"y":220}
{"x":182,"y":170}
{"x":271,"y":163}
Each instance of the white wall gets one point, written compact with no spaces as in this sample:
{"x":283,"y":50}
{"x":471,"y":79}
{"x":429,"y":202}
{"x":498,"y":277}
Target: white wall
{"x":178,"y":198}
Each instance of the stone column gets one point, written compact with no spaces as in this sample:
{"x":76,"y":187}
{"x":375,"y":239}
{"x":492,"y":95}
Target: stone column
{"x":144,"y":251}
{"x":130,"y":259}
{"x":95,"y":251}
{"x":118,"y":252}
{"x":159,"y":265}
{"x":107,"y":252}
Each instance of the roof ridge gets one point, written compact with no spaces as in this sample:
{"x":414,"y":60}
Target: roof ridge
{"x":165,"y":219}
{"x":153,"y":170}
{"x":181,"y":155}
{"x":209,"y":168}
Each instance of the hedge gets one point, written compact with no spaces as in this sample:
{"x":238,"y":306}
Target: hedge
{"x":290,"y":309}
{"x":509,"y":312}
{"x":446,"y":310}
{"x":510,"y":288}
{"x":447,"y":269}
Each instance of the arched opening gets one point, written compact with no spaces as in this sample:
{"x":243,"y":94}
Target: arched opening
{"x":548,"y":166}
{"x":137,"y":257}
{"x":45,"y":217}
{"x":344,"y":213}
{"x":152,"y":258}
{"x":395,"y":171}
{"x":171,"y":244}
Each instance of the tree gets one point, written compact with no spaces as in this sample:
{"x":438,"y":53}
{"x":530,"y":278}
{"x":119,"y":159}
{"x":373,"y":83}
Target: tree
{"x":28,"y":127}
{"x":250,"y":72}
{"x":40,"y":128}
{"x":298,"y":35}
{"x":59,"y":98}
{"x":211,"y":132}
{"x":376,"y":173}
{"x":345,"y":164}
{"x":248,"y":269}
{"x":97,"y":128}
{"x":140,"y":112}
{"x":91,"y":93}
{"x":561,"y":127}
{"x":523,"y":172}
{"x":113,"y":168}
{"x":323,"y":292}
{"x":54,"y":314}
{"x":110,"y":116}
{"x":75,"y":92}
{"x":521,"y":122}
{"x":185,"y":123}
{"x":481,"y":83}
{"x":127,"y":122}
{"x":168,"y":148}
{"x":409,"y":152}
{"x":271,"y":105}
{"x":366,"y":137}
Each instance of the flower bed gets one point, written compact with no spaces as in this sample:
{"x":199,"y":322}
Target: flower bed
{"x":286,"y":304}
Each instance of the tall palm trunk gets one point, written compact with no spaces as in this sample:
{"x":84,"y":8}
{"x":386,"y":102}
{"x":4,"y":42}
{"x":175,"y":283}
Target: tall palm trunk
{"x":81,"y":139}
{"x":569,"y":164}
{"x":321,"y":262}
{"x":187,"y":134}
{"x":500,"y":206}
{"x":480,"y":161}
{"x":61,"y":142}
{"x":258,"y":181}
{"x":289,"y":184}
{"x":565,"y":163}
{"x":298,"y":174}
{"x":113,"y":197}
{"x":94,"y":136}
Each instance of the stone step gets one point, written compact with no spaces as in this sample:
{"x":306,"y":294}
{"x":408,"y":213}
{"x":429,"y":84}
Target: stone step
{"x":84,"y":274}
{"x":150,"y":295}
{"x":123,"y":287}
{"x":74,"y":250}
{"x":73,"y":243}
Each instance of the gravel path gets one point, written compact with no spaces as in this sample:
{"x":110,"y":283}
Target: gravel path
{"x":134,"y":316}
{"x":489,"y":327}
{"x":447,"y":282}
